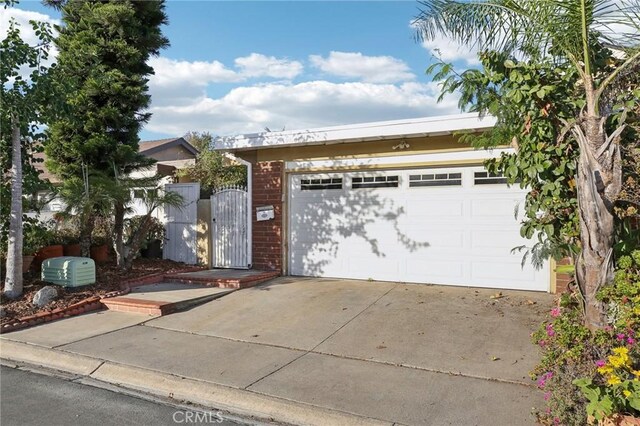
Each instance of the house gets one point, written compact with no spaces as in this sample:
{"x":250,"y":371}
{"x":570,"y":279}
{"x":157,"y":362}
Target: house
{"x":397,"y":200}
{"x":171,"y":154}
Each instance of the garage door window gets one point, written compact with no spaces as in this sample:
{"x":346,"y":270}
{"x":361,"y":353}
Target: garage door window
{"x":374,"y":182}
{"x":435,"y":179}
{"x":486,"y":178}
{"x":320,"y":184}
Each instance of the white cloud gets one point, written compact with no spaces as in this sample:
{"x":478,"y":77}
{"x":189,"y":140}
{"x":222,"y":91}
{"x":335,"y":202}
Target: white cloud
{"x":28,"y":35}
{"x":300,"y":106}
{"x":450,"y":51}
{"x":258,"y":65}
{"x":22,"y":18}
{"x":371,"y":69}
{"x":170,"y":72}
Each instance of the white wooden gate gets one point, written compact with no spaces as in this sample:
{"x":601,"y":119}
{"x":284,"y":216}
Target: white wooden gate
{"x":230,"y":228}
{"x":180,"y":227}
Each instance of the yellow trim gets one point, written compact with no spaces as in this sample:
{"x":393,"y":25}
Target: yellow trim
{"x":442,"y":163}
{"x":553,"y":276}
{"x":370,"y":149}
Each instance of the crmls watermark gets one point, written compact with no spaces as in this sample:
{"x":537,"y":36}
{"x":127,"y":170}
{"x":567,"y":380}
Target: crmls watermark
{"x":197,"y":417}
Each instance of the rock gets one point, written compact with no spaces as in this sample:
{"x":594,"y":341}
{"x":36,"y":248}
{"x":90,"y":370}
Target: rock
{"x":3,"y":312}
{"x":45,"y":295}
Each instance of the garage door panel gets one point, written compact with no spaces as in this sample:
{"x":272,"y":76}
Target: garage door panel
{"x":429,"y":270}
{"x":315,"y":264}
{"x":493,"y":207}
{"x":458,"y":235}
{"x":387,"y":268}
{"x":436,"y":237}
{"x":500,"y":242}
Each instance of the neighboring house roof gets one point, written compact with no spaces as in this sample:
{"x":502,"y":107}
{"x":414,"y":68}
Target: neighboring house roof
{"x":396,"y":129}
{"x":184,"y":156}
{"x":150,"y":147}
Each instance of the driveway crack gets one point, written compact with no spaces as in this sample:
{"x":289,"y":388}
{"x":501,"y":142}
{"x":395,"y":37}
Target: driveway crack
{"x":323,"y":340}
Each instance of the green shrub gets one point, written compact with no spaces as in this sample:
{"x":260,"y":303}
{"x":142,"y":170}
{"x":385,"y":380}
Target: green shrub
{"x":586,"y":374}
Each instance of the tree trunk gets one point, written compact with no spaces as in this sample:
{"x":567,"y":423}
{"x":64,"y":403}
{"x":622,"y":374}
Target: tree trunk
{"x":598,"y":183}
{"x":136,"y":240}
{"x":13,"y":280}
{"x":86,"y":227}
{"x":118,"y":234}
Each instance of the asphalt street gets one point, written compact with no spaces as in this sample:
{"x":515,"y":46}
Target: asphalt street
{"x":28,"y":398}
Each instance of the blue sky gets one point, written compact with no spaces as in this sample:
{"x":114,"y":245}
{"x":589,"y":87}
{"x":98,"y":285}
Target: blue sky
{"x":238,"y":67}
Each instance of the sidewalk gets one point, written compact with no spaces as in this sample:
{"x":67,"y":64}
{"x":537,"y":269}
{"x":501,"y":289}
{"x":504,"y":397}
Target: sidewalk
{"x":315,"y":352}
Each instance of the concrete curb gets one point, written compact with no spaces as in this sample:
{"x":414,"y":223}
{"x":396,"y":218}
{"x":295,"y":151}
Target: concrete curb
{"x":239,"y":401}
{"x":50,"y":358}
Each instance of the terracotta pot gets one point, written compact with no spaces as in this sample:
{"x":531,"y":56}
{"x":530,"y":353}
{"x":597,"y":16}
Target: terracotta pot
{"x":47,"y":253}
{"x":72,"y":250}
{"x":26,"y":263}
{"x":100,"y":254}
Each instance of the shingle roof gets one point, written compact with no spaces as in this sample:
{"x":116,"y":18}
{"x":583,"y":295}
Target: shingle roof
{"x":143,"y":147}
{"x":147,"y":145}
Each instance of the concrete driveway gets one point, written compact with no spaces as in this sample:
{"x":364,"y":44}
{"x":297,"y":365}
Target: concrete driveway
{"x":407,"y":354}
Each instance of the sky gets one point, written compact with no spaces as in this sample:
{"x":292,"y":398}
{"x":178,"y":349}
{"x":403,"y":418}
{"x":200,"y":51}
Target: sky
{"x":238,"y":67}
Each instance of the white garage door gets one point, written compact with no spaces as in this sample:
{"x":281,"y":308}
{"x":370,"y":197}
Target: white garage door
{"x":451,"y":226}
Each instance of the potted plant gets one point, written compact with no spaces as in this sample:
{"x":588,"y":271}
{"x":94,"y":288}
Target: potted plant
{"x":47,"y":243}
{"x":100,"y":239}
{"x":31,"y":243}
{"x":99,"y":249}
{"x":71,"y":242}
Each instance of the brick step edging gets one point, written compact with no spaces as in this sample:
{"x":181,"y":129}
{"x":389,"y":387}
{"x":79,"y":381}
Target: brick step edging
{"x":90,"y":304}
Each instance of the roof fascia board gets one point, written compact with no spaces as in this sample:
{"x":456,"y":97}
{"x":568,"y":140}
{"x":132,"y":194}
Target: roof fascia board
{"x":429,"y":126}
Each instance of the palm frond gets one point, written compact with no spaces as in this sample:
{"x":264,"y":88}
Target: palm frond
{"x":528,"y":27}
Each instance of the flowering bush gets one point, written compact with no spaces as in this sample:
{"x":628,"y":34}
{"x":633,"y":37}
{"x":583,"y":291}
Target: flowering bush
{"x":619,"y":391}
{"x":589,"y":375}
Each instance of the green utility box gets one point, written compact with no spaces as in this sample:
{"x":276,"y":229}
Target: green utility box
{"x":69,"y":271}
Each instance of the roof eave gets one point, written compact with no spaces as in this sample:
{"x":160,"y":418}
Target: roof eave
{"x":399,"y":129}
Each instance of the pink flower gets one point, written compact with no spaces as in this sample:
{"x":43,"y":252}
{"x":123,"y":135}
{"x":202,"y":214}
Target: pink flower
{"x":542,"y":343}
{"x":550,"y":331}
{"x":547,"y":395}
{"x":600,"y":363}
{"x":555,"y":312}
{"x":631,"y":341}
{"x":556,"y":421}
{"x":620,"y":336}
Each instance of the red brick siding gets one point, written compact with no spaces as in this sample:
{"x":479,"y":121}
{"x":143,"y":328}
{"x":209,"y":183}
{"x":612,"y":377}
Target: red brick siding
{"x":563,"y":280}
{"x":267,"y":179}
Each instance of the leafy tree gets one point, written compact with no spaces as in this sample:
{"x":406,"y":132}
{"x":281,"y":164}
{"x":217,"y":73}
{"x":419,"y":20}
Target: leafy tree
{"x":212,"y":169}
{"x":535,"y":53}
{"x":23,"y":102}
{"x":202,"y":141}
{"x":152,"y":198}
{"x":86,"y":198}
{"x":104,"y":49}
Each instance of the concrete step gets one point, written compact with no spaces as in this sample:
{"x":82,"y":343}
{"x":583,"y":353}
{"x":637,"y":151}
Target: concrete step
{"x":224,"y":278}
{"x":164,"y":298}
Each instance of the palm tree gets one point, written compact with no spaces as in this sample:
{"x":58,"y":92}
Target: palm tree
{"x":86,"y":199}
{"x":564,"y":30}
{"x":153,"y":197}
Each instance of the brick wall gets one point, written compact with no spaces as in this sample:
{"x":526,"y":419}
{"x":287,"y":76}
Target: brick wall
{"x":267,"y":179}
{"x":563,"y":280}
